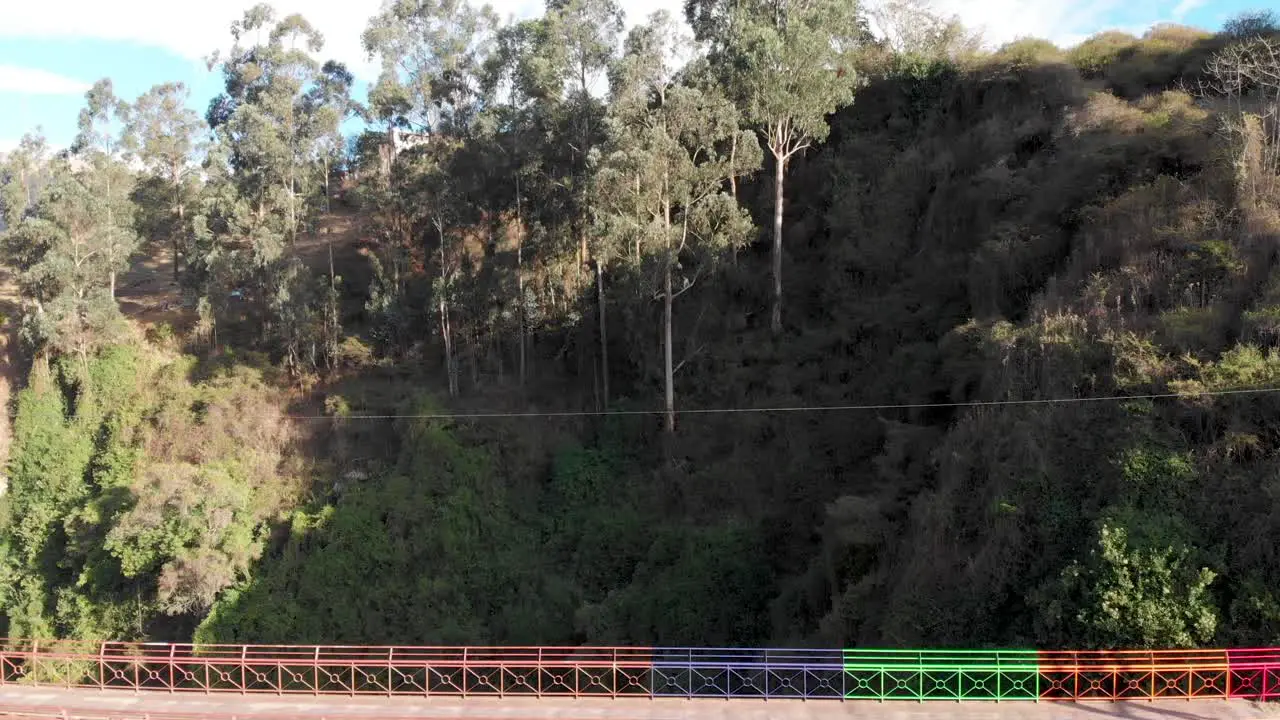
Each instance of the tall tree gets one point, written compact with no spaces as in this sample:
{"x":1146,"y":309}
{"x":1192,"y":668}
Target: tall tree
{"x":516,"y":84}
{"x":273,"y":125}
{"x":914,"y":27}
{"x":327,"y":105}
{"x":100,"y":146}
{"x":268,"y":121}
{"x":23,"y":172}
{"x":791,"y":68}
{"x":581,"y":44}
{"x":433,"y":55}
{"x":665,"y":174}
{"x":66,"y":250}
{"x":166,"y":137}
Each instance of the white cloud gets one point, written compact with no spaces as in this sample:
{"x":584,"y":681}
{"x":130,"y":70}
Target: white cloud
{"x":194,"y":29}
{"x":34,"y":81}
{"x":1186,"y":7}
{"x":1065,"y":22}
{"x":189,"y":29}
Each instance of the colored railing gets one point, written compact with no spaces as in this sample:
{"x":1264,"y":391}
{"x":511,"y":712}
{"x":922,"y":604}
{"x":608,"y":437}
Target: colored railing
{"x":858,"y":674}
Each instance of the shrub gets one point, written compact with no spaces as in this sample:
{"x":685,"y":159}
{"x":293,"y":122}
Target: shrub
{"x":1029,"y":52}
{"x":1093,"y":56}
{"x":1140,"y":592}
{"x":153,"y":489}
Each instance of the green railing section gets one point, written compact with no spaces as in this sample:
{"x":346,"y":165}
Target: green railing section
{"x":941,"y":674}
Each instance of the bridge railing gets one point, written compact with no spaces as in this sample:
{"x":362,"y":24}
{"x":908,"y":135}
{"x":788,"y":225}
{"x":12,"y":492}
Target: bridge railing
{"x":869,"y":674}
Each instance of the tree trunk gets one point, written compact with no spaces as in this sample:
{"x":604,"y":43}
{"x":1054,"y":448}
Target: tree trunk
{"x":604,"y":330}
{"x":293,"y":225}
{"x":583,"y":257}
{"x":520,"y":283}
{"x":445,"y":333}
{"x":733,"y":185}
{"x":496,"y":340}
{"x":448,"y":347}
{"x":523,"y":321}
{"x":111,"y":223}
{"x":182,"y":222}
{"x":473,"y":356}
{"x":779,"y":170}
{"x":668,"y":371}
{"x":636,"y":258}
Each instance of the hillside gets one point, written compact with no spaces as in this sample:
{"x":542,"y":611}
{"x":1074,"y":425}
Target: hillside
{"x":1022,"y":394}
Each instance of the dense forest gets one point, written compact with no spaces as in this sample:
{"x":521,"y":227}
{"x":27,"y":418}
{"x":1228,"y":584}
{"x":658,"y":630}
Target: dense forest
{"x":786,"y":322}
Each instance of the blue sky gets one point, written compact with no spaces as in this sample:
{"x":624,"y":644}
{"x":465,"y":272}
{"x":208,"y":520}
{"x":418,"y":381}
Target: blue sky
{"x":52,"y":50}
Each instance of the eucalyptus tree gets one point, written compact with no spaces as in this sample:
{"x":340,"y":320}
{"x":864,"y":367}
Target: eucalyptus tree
{"x":516,"y":84}
{"x":664,"y":176}
{"x":268,"y":120}
{"x":99,"y":148}
{"x":546,"y":79}
{"x":65,"y":250}
{"x":23,"y":172}
{"x":167,"y":138}
{"x":272,"y":124}
{"x":571,"y":49}
{"x":788,"y":64}
{"x":433,"y":55}
{"x":327,"y":105}
{"x":581,"y":42}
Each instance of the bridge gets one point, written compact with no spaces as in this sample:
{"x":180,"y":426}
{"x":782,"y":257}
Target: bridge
{"x":67,"y":678}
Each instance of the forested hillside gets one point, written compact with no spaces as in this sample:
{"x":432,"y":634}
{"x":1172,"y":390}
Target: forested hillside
{"x":786,"y":322}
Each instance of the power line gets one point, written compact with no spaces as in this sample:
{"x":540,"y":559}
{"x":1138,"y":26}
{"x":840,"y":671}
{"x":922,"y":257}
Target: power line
{"x":787,"y":408}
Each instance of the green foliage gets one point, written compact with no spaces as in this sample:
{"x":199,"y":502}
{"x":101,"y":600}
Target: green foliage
{"x":1142,"y":593}
{"x":166,"y":137}
{"x":23,"y":172}
{"x":598,"y":521}
{"x":1243,"y":366}
{"x":702,"y":585}
{"x":1029,"y":52}
{"x":127,"y":499}
{"x":1095,"y":55}
{"x":430,"y":90}
{"x":431,"y":551}
{"x":1191,"y":329}
{"x":68,"y":248}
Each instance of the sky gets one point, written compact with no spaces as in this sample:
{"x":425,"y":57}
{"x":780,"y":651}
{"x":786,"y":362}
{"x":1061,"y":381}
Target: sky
{"x":51,"y":51}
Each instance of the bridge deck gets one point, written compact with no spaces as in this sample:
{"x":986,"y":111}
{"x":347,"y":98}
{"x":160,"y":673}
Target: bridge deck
{"x":43,"y":702}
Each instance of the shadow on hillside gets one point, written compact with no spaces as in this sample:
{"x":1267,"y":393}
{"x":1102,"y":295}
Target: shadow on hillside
{"x":951,"y":219}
